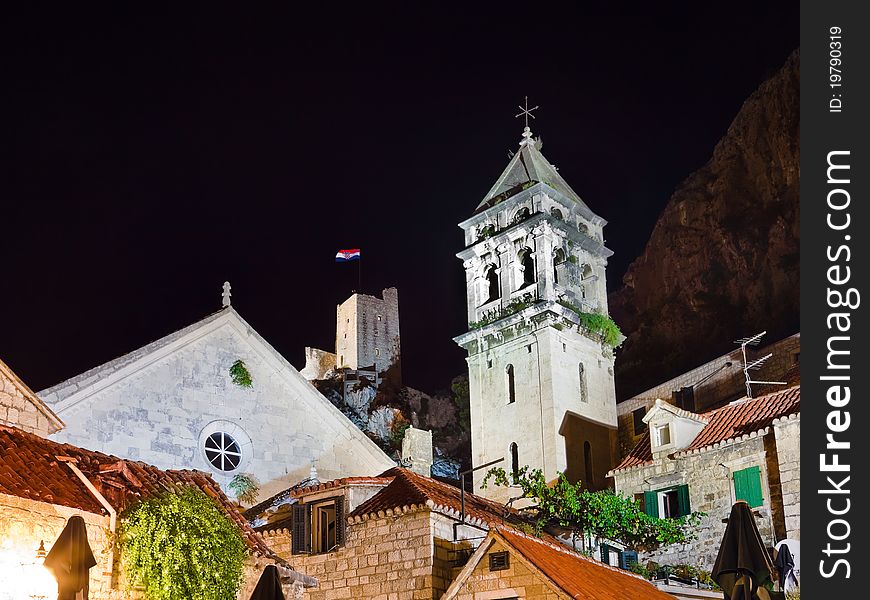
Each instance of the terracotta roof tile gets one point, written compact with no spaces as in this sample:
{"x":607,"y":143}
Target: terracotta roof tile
{"x":409,"y":488}
{"x":29,"y":468}
{"x":739,"y":418}
{"x":258,"y":510}
{"x":579,"y":576}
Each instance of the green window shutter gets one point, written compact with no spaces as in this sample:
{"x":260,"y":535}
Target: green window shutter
{"x":651,"y":503}
{"x":747,"y":486}
{"x":683,"y":500}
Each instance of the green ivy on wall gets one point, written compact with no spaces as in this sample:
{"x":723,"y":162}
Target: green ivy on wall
{"x":240,"y":374}
{"x":597,"y":323}
{"x":180,"y":546}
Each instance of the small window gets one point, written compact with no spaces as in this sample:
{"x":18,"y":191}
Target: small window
{"x":377,"y":351}
{"x":499,"y":561}
{"x":515,"y":461}
{"x":637,"y":416}
{"x":584,"y":395}
{"x":556,"y":213}
{"x":522,"y":214}
{"x":489,"y":364}
{"x":564,"y":347}
{"x":529,"y":348}
{"x":668,"y":503}
{"x":663,"y":435}
{"x":318,"y":527}
{"x":747,"y":486}
{"x":511,"y":384}
{"x":379,"y":317}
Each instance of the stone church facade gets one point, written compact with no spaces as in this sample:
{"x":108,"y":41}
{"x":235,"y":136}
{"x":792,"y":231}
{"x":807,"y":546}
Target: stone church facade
{"x":541,"y":384}
{"x":174,"y":404}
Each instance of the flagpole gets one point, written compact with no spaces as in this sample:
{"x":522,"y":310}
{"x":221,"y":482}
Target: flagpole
{"x":359,"y":274}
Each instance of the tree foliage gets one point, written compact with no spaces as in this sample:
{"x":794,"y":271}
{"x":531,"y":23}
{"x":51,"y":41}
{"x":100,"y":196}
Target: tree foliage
{"x":603,"y":514}
{"x":180,"y":546}
{"x":246,"y":487}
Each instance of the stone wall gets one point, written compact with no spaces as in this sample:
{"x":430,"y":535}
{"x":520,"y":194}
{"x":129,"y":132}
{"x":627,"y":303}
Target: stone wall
{"x":400,"y":556}
{"x":708,"y":475}
{"x":318,"y":363}
{"x":20,"y":407}
{"x":517,"y":581}
{"x":24,"y":523}
{"x":788,"y":443}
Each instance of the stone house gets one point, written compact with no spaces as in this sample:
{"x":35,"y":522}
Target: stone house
{"x":511,"y":564}
{"x":173,"y":403}
{"x":43,"y":483}
{"x":710,"y":385}
{"x":400,"y":535}
{"x":21,"y":408}
{"x":747,"y":450}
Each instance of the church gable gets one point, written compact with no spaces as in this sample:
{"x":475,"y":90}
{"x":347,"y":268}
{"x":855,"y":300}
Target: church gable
{"x":174,"y":404}
{"x":20,"y":407}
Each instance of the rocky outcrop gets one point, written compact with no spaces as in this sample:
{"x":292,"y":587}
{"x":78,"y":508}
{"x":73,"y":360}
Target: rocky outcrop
{"x":723,"y":259}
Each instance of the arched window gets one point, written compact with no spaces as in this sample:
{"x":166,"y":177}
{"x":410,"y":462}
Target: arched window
{"x":527,"y":266}
{"x":492,"y":284}
{"x":521,"y":215}
{"x":556,"y":213}
{"x":511,"y":386}
{"x":559,"y":260}
{"x":584,"y":396}
{"x":587,"y":463}
{"x":583,"y":227}
{"x":515,"y":462}
{"x":486,"y":231}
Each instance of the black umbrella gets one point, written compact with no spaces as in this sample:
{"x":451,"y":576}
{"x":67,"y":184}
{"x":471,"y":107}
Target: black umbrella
{"x":743,"y":567}
{"x":784,"y":563}
{"x":269,"y":586}
{"x":70,"y":560}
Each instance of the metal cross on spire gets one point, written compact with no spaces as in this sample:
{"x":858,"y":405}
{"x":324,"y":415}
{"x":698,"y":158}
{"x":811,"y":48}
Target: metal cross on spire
{"x":526,"y":111}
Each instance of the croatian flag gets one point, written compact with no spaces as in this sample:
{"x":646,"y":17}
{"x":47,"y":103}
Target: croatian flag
{"x":347,"y":255}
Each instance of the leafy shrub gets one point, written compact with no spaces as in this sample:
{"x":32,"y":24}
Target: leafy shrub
{"x":180,"y":546}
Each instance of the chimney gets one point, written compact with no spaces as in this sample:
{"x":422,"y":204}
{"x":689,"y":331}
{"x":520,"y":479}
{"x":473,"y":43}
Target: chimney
{"x":417,"y":451}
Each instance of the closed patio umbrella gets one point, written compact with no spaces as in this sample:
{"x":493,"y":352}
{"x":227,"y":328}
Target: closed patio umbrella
{"x":743,"y":567}
{"x":70,"y":560}
{"x":269,"y":585}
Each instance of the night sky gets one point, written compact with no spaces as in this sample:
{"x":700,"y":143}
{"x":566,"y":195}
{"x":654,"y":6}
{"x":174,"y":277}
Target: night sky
{"x":150,"y":157}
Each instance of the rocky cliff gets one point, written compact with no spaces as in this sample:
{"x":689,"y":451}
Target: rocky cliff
{"x":722,"y":260}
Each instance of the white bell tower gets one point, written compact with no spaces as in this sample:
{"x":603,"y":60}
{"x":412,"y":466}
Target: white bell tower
{"x":540,"y":371}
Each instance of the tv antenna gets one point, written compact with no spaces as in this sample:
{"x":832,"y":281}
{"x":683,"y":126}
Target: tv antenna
{"x":756,"y":364}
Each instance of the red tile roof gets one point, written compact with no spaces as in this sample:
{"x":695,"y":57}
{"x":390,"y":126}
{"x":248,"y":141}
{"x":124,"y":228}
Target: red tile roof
{"x":737,"y":419}
{"x":579,"y":576}
{"x":409,"y":488}
{"x":30,"y":468}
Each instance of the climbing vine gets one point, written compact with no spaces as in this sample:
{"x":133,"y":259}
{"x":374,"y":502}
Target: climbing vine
{"x":240,"y":374}
{"x":180,"y":546}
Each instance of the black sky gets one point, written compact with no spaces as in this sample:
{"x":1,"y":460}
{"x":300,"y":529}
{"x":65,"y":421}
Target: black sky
{"x":149,"y":157}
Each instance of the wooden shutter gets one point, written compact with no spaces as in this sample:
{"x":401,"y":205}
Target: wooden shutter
{"x":747,"y":486}
{"x":683,"y":500}
{"x":340,"y":521}
{"x":301,"y":528}
{"x":651,"y":503}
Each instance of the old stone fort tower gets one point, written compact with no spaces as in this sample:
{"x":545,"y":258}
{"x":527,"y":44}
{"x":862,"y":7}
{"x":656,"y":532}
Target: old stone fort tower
{"x":541,"y":383}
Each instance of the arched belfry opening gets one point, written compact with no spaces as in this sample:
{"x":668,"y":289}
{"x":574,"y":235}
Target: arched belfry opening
{"x":560,"y":259}
{"x":527,"y":266}
{"x":493,"y":286}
